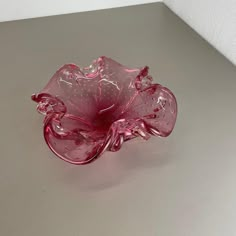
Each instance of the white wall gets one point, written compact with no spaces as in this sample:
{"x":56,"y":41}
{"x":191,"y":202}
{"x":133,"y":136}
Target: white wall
{"x":215,"y":20}
{"x":22,"y":9}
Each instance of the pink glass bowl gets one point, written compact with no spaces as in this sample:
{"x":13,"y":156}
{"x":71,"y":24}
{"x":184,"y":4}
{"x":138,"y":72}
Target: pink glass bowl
{"x":96,"y":108}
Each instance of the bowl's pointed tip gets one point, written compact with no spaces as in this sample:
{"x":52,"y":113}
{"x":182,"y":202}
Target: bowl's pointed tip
{"x":34,"y":97}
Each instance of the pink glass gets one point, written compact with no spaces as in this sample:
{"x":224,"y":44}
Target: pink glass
{"x":96,"y":108}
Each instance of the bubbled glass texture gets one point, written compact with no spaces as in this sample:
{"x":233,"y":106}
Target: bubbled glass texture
{"x":93,"y":109}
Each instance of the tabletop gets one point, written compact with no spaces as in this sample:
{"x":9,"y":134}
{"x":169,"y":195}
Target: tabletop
{"x":183,"y":185}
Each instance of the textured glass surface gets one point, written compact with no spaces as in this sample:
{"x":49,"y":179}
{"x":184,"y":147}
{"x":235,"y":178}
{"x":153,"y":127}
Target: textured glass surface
{"x":96,"y":108}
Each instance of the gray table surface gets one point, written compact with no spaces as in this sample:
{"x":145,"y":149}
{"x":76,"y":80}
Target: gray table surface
{"x":184,"y":185}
